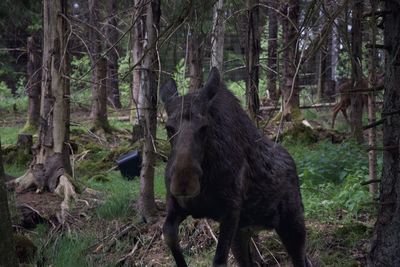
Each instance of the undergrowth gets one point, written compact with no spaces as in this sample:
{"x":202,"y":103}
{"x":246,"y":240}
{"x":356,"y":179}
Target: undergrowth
{"x":9,"y":134}
{"x":338,"y":210}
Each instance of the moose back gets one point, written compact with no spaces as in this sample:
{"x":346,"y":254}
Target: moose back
{"x":221,"y":167}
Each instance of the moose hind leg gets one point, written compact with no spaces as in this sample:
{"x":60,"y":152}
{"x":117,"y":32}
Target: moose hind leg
{"x":293,"y":236}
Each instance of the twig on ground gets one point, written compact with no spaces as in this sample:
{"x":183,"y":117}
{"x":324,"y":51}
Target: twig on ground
{"x":211,"y":231}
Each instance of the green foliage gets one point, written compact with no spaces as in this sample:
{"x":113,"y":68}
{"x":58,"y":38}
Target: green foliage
{"x":15,"y":170}
{"x":300,"y":133}
{"x":331,"y":175}
{"x":326,"y":162}
{"x":239,"y":90}
{"x":9,"y":134}
{"x":329,"y":202}
{"x":124,"y":84}
{"x":8,"y":101}
{"x":79,"y":83}
{"x":4,"y":91}
{"x":344,"y":65}
{"x":182,"y":82}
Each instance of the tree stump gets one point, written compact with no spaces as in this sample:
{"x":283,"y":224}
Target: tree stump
{"x":25,"y":142}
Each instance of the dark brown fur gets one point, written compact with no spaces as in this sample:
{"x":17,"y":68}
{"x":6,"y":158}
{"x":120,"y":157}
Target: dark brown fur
{"x":221,"y":167}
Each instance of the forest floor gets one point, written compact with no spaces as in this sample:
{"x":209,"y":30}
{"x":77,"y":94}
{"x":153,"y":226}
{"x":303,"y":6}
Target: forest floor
{"x":102,"y":227}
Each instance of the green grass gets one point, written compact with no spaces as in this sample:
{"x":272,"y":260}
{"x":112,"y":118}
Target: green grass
{"x":118,"y":124}
{"x":69,"y":250}
{"x":9,"y":134}
{"x":330,"y":182}
{"x":15,"y":169}
{"x":120,"y":193}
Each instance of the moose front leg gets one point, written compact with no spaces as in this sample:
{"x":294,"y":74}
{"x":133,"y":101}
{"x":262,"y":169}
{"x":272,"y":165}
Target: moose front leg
{"x":170,"y":233}
{"x":227,"y":230}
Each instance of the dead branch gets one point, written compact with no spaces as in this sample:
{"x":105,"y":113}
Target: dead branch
{"x":211,"y":231}
{"x":371,"y":182}
{"x":374,"y":124}
{"x":122,"y":260}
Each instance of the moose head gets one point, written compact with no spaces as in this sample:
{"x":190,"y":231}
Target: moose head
{"x":187,"y":128}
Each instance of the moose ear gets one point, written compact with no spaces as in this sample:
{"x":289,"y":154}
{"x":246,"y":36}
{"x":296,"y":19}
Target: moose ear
{"x":168,"y":91}
{"x":213,"y":83}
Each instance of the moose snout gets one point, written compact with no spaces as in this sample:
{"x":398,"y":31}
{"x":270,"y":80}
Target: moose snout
{"x":185,"y":182}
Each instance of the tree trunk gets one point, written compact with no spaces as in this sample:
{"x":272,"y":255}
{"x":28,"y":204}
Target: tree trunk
{"x":112,"y":63}
{"x":99,"y":97}
{"x":372,"y":157}
{"x":356,"y":73}
{"x":252,"y":57}
{"x":290,"y":88}
{"x":217,"y":37}
{"x":335,"y":52}
{"x":51,"y":169}
{"x":137,"y":53}
{"x":385,"y":244}
{"x":34,"y":76}
{"x":195,"y":61}
{"x":330,"y":84}
{"x":322,"y":67}
{"x":326,"y":85}
{"x":149,"y":83}
{"x":99,"y":93}
{"x":272,"y":72}
{"x":7,"y":245}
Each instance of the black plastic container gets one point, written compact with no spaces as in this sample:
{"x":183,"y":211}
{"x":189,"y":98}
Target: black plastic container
{"x":130,"y":164}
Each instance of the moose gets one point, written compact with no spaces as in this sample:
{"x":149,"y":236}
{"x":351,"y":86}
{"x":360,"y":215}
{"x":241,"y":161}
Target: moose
{"x":222,"y":168}
{"x":345,"y":101}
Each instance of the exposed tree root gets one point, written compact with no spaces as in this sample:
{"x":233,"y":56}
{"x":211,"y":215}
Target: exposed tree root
{"x":24,"y":182}
{"x":65,"y":189}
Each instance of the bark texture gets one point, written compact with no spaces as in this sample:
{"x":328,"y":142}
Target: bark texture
{"x":99,"y":97}
{"x":7,"y":244}
{"x":99,"y":71}
{"x":372,"y":155}
{"x":51,"y":169}
{"x":356,"y":71}
{"x":138,"y":32}
{"x":112,"y":62}
{"x":272,"y":72}
{"x":385,"y":244}
{"x":34,"y":76}
{"x":195,"y":62}
{"x":149,"y":83}
{"x":290,"y":88}
{"x":217,"y":37}
{"x":253,"y":57}
{"x":326,"y":85}
{"x":55,"y":87}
